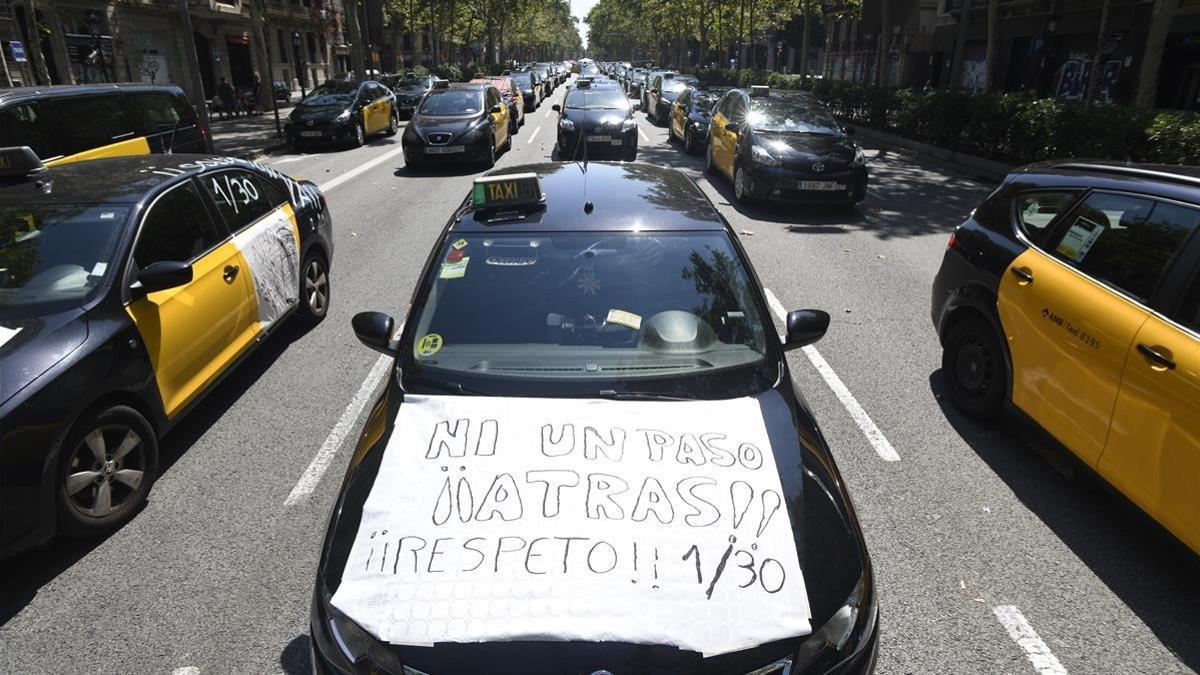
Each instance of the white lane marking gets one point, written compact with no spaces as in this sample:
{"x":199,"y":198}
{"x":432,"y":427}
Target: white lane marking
{"x":1044,"y":661}
{"x":644,"y":136}
{"x":358,"y":170}
{"x":882,"y":446}
{"x":186,"y":670}
{"x":333,"y":442}
{"x":288,"y":160}
{"x":533,"y":135}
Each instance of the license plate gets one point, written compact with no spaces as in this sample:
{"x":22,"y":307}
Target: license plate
{"x":821,"y":185}
{"x":450,"y":150}
{"x":600,"y":139}
{"x":312,"y":134}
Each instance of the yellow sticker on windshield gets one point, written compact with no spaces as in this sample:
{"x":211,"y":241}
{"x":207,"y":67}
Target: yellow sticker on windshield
{"x":429,"y":345}
{"x":460,"y":244}
{"x":623,"y":318}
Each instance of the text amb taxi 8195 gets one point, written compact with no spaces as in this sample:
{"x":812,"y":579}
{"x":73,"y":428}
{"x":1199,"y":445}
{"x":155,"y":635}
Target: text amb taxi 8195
{"x":128,"y":288}
{"x":591,"y":457}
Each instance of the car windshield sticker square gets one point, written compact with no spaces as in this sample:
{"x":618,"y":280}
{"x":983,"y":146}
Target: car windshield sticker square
{"x":1079,"y":239}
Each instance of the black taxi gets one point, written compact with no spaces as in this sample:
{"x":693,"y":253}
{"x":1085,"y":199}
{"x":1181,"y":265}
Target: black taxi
{"x":596,"y":118}
{"x":458,"y":123}
{"x":343,"y":112}
{"x":784,"y":146}
{"x":1071,"y":299}
{"x":591,"y":457}
{"x":128,"y":288}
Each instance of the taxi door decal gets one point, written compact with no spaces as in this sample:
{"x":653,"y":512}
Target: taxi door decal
{"x":132,"y":146}
{"x":1153,"y":449}
{"x":193,"y":332}
{"x":1068,"y":337}
{"x":271,"y":249}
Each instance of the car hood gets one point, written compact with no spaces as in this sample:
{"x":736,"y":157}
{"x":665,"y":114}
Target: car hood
{"x":600,"y":119}
{"x":30,"y":347}
{"x":317,"y":113}
{"x":425,"y":125}
{"x":834,"y":151}
{"x":828,"y":543}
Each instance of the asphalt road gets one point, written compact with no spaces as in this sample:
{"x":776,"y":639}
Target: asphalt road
{"x":987,"y":559}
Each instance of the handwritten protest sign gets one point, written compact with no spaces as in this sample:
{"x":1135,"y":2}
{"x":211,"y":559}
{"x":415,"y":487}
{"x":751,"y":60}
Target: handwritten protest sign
{"x":549,"y":519}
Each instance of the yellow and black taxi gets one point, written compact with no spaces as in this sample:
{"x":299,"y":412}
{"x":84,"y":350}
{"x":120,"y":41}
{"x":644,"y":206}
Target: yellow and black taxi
{"x":70,"y":123}
{"x":784,"y":145}
{"x":408,"y":90}
{"x":128,"y":288}
{"x":458,"y":123}
{"x":1071,"y":299}
{"x":691,"y":113}
{"x":531,"y":89}
{"x":343,"y":112}
{"x":591,"y":408}
{"x":596,"y":120}
{"x":663,"y":91}
{"x":511,"y":94}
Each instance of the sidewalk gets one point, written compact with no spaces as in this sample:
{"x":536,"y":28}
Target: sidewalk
{"x":248,"y":137}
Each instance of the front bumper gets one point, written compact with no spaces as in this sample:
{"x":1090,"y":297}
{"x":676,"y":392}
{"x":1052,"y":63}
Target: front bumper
{"x":420,"y":152}
{"x":617,"y":141}
{"x":783,"y":183}
{"x":319,"y":132}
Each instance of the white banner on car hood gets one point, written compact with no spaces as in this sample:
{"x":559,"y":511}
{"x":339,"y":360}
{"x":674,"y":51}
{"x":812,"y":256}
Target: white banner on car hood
{"x":497,"y":519}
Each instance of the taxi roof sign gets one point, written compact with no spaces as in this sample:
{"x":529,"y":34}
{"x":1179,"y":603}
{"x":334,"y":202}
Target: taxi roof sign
{"x":441,"y":84}
{"x":19,"y":161}
{"x":512,"y":189}
{"x":583,"y":83}
{"x":759,"y":90}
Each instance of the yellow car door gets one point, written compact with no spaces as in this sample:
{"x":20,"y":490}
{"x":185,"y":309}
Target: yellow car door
{"x":1069,"y":320}
{"x":677,"y":120}
{"x":500,"y":117}
{"x":1153,"y":450}
{"x":191,"y":332}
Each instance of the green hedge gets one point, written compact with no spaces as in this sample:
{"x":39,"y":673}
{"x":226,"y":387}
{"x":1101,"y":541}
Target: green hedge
{"x":1015,"y":128}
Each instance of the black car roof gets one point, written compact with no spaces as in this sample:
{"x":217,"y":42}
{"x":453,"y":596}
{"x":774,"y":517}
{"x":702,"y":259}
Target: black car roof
{"x":116,"y":179}
{"x":25,"y":93}
{"x":625,"y":197}
{"x":1164,"y":180}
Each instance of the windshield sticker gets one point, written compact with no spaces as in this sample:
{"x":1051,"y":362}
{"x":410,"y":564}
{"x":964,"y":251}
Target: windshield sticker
{"x":429,"y":345}
{"x":107,"y":215}
{"x":99,"y":269}
{"x":460,"y":244}
{"x":623,"y":318}
{"x":497,"y":519}
{"x":587,"y":282}
{"x":455,"y":266}
{"x":1078,"y":240}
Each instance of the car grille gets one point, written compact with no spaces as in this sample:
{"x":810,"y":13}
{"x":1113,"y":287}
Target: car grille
{"x":439,"y":138}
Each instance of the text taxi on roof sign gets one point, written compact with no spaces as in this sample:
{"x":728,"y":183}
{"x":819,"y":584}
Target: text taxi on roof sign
{"x":592,"y":456}
{"x":1071,"y":299}
{"x":128,"y":288}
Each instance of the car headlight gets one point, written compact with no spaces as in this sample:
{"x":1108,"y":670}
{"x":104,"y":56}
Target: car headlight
{"x":760,"y":155}
{"x":628,"y":124}
{"x":566,"y":125}
{"x":860,"y":159}
{"x":344,"y":117}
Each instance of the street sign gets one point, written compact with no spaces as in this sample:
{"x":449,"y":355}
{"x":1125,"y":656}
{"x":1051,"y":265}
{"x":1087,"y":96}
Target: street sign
{"x":18,"y":51}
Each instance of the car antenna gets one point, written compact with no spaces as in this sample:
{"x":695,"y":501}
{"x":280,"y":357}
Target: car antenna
{"x":171,"y":142}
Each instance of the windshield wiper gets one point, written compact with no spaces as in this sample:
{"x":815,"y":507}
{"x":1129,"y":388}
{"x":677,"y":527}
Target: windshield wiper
{"x":641,"y":396}
{"x":452,"y":387}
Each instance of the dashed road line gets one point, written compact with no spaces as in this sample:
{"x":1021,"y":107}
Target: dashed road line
{"x":359,"y":170}
{"x":186,"y":670}
{"x":1044,"y":661}
{"x":533,"y":135}
{"x":643,"y":134}
{"x":875,"y":437}
{"x":316,"y":468}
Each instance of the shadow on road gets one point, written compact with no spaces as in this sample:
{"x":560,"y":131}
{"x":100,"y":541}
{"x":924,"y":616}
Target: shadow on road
{"x":294,"y":660}
{"x":1154,"y":575}
{"x":24,"y":575}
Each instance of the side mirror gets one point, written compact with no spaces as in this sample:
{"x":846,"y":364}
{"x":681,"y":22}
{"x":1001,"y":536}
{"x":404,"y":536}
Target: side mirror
{"x":374,"y":329}
{"x":495,"y":109}
{"x":637,"y":105}
{"x":162,"y":275}
{"x":804,"y":327}
{"x":849,"y":130}
{"x":556,"y":107}
{"x":732,"y":127}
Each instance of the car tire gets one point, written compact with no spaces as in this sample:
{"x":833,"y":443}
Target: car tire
{"x":709,"y":167}
{"x":974,"y":370}
{"x":357,"y":136}
{"x":689,"y":142}
{"x":741,"y":186}
{"x":490,"y":160}
{"x":106,"y":467}
{"x":393,"y":124}
{"x":630,"y":155}
{"x":508,"y":141}
{"x":314,"y":288}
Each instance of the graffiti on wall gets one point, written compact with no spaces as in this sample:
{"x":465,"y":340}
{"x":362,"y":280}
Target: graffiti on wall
{"x":1073,"y":79}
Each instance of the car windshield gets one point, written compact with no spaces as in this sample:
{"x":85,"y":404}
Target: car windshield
{"x":596,"y":99}
{"x":54,"y":257}
{"x":522,"y":80}
{"x":588,"y":312}
{"x":331,"y":93}
{"x":704,"y":101}
{"x":781,"y":114}
{"x":453,"y":102}
{"x":410,"y":87}
{"x":674,"y":85}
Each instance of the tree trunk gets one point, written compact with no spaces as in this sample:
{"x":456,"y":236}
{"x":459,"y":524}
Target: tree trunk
{"x":960,"y":46}
{"x":885,"y":42}
{"x":266,"y":92}
{"x":741,"y":51}
{"x":805,"y":39}
{"x":993,"y":45}
{"x":1160,"y":25}
{"x":1094,"y":76}
{"x":40,"y":73}
{"x":356,"y":48}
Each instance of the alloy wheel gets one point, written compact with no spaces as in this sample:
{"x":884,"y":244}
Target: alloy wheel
{"x":106,"y":469}
{"x":316,"y":287}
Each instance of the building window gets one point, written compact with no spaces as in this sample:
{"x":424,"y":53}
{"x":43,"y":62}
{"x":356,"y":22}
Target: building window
{"x":283,"y":45}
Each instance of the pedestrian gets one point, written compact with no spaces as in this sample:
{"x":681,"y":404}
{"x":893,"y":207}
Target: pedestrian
{"x":228,"y":97}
